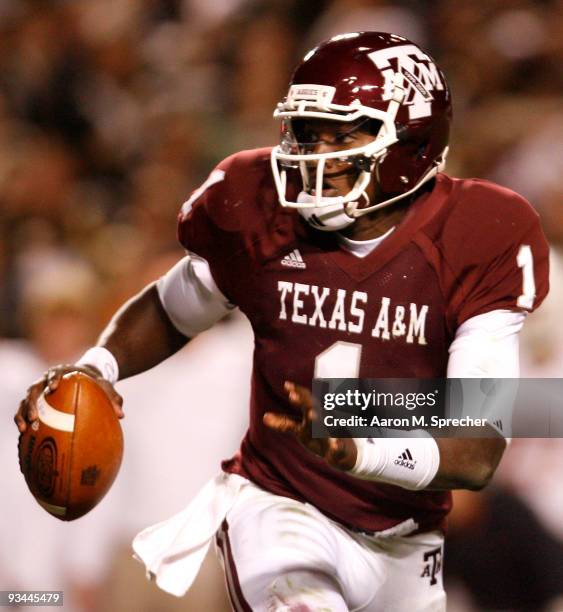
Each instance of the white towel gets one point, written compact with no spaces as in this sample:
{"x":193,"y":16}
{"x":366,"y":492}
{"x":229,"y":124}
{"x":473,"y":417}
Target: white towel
{"x":174,"y":550}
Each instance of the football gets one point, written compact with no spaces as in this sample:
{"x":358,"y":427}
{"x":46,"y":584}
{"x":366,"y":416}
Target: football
{"x":71,"y":455}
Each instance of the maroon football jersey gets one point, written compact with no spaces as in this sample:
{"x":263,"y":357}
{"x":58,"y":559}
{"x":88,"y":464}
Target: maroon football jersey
{"x":464,"y":248}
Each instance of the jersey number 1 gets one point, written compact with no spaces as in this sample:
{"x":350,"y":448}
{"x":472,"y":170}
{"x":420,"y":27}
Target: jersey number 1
{"x":339,"y":360}
{"x":525,"y":260}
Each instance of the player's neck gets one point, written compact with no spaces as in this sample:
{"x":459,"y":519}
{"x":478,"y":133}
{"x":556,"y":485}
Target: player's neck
{"x":377,"y":223}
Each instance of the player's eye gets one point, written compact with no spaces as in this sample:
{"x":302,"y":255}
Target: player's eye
{"x":344,"y":137}
{"x":304,"y":132}
{"x":309,"y":137}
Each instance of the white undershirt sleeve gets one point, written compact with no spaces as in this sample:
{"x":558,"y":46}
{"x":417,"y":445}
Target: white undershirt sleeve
{"x":487,"y":346}
{"x":190,"y":296}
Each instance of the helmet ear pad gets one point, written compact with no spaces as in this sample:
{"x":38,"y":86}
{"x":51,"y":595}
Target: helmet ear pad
{"x":408,"y":160}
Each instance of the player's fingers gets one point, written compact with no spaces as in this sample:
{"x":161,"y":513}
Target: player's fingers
{"x":295,"y":400}
{"x":19,"y":417}
{"x":117,"y":403}
{"x":298,"y":393}
{"x":116,"y":399}
{"x":301,"y":398}
{"x":282,"y":423}
{"x":52,"y":384}
{"x":53,"y":379}
{"x":31,"y":401}
{"x":291,"y":392}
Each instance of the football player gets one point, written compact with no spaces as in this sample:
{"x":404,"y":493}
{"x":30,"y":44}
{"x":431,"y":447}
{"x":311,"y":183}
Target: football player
{"x":353,"y":255}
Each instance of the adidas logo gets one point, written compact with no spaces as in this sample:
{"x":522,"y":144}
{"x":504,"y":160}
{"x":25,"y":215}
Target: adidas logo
{"x":294,"y":260}
{"x":405,"y":460}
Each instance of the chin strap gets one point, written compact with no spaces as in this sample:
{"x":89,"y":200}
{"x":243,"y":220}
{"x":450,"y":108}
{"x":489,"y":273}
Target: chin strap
{"x":352,"y":208}
{"x":331,"y":216}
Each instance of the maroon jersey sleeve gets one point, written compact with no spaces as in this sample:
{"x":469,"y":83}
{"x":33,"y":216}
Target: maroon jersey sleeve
{"x":198,"y":231}
{"x":216,"y":222}
{"x":496,"y":250}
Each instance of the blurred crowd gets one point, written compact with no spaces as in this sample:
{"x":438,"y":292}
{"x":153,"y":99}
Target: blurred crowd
{"x":111,"y":113}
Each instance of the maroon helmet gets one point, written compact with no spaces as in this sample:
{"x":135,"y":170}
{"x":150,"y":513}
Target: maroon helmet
{"x":365,"y":75}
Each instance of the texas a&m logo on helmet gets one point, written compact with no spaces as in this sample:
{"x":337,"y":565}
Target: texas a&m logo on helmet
{"x":421,"y":77}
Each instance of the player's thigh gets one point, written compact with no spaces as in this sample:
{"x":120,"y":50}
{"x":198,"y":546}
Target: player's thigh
{"x":279,"y":554}
{"x":413,"y":575}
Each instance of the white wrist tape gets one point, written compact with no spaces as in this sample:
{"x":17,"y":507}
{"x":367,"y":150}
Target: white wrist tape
{"x":101,"y":358}
{"x":411,"y":461}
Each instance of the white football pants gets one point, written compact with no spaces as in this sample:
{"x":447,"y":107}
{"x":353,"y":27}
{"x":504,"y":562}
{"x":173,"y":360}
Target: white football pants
{"x":281,"y":555}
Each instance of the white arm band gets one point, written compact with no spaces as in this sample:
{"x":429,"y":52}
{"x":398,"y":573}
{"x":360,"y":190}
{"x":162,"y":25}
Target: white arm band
{"x":190,"y":296}
{"x":411,"y":461}
{"x":103,"y":360}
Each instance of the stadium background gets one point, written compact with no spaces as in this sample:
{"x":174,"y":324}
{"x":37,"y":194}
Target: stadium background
{"x":111,"y":112}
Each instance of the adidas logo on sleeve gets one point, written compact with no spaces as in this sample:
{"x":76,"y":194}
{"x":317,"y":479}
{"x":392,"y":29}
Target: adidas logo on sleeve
{"x":294,"y":260}
{"x":405,"y":460}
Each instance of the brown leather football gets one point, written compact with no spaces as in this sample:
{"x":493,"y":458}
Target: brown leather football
{"x":71,"y":455}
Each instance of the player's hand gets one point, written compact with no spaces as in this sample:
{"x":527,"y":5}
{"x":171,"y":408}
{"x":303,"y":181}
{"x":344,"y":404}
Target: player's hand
{"x":340,"y":453}
{"x":27,"y":412}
